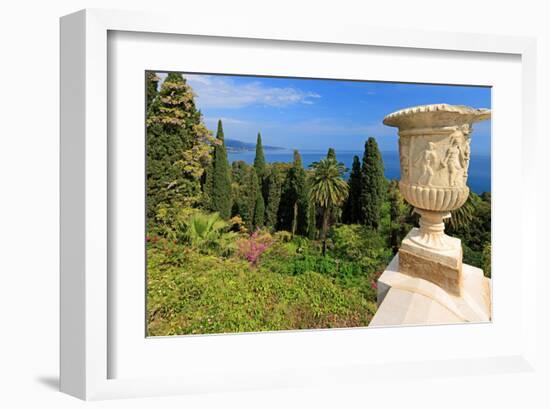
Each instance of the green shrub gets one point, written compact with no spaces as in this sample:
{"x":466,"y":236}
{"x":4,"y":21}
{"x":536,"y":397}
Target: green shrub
{"x":169,"y":222}
{"x":360,"y":244}
{"x":207,"y":233}
{"x":207,"y":294}
{"x":283,"y":236}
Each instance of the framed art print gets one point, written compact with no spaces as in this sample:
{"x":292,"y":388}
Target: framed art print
{"x":243,"y":208}
{"x":292,"y":226}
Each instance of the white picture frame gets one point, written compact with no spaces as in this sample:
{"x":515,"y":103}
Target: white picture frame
{"x":86,"y":302}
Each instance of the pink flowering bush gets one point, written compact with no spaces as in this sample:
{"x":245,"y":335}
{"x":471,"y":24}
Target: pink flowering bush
{"x":252,"y":247}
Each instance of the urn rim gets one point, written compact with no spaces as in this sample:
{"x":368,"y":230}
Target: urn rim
{"x":436,"y":115}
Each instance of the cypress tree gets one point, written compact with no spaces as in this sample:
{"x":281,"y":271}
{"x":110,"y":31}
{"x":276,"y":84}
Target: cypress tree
{"x":274,"y":185}
{"x":259,"y":159}
{"x":221,"y":179}
{"x":249,"y":198}
{"x":173,"y":126}
{"x":352,"y":208}
{"x":336,"y":213}
{"x":303,"y":204}
{"x":239,"y":169}
{"x":259,"y":209}
{"x":239,"y":175}
{"x":373,"y":183}
{"x":294,"y":201}
{"x":289,"y":197}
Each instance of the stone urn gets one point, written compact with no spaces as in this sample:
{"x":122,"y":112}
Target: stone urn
{"x":434,"y":154}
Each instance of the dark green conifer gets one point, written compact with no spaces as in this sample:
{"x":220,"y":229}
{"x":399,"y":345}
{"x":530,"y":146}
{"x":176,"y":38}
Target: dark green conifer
{"x":274,"y":185}
{"x":221,"y":177}
{"x":259,"y":159}
{"x":249,"y":198}
{"x":172,"y":123}
{"x":293,"y":210}
{"x":373,"y":185}
{"x":238,"y":171}
{"x":259,"y":210}
{"x":352,"y":208}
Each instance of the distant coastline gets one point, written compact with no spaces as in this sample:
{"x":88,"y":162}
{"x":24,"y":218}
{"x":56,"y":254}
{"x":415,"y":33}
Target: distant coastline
{"x":479,"y":179}
{"x":234,"y":145}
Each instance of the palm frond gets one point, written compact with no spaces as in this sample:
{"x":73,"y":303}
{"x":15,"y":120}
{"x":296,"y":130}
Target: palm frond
{"x":202,"y":229}
{"x":462,"y":216}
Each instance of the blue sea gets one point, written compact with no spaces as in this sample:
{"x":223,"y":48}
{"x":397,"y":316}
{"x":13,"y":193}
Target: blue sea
{"x":479,"y":176}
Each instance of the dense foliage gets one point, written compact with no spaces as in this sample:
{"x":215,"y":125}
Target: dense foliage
{"x":294,"y":203}
{"x":178,"y":148}
{"x":269,"y":246}
{"x":474,"y":230}
{"x":274,"y":183}
{"x":190,"y":293}
{"x":151,"y":81}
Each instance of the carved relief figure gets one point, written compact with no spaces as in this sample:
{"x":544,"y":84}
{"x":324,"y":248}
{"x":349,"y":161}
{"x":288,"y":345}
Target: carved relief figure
{"x":454,"y":161}
{"x":427,"y":162}
{"x":404,"y":144}
{"x":466,"y":152}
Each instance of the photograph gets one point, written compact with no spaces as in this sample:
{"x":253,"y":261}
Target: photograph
{"x":279,"y":203}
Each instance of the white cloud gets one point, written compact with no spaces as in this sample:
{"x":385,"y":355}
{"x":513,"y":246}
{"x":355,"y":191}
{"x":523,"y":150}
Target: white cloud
{"x":226,"y":121}
{"x":223,"y":92}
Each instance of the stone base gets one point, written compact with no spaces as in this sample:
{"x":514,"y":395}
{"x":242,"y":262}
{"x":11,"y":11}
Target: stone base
{"x":407,"y":300}
{"x":441,"y":267}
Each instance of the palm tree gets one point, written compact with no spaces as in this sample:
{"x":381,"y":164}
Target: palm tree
{"x":462,"y":216}
{"x":203,"y":230}
{"x":328,"y":191}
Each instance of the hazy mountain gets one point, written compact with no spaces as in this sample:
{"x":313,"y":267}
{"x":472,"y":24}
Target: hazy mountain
{"x":234,"y":145}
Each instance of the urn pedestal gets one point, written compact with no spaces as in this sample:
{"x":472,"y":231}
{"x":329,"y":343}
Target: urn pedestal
{"x":434,"y":153}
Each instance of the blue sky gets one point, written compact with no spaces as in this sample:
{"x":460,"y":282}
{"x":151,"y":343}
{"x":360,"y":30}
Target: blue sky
{"x":309,"y":114}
